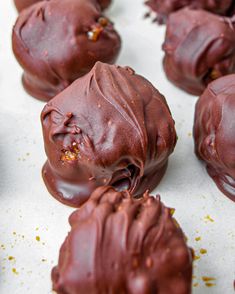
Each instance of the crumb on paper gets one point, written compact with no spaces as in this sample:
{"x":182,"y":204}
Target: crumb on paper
{"x":15,"y":271}
{"x":196,"y":257}
{"x":208,"y":279}
{"x":210,"y":284}
{"x":203,"y":251}
{"x":198,"y":239}
{"x":38,"y":238}
{"x":10,"y":258}
{"x":208,"y":218}
{"x":189,"y":134}
{"x":195,"y":284}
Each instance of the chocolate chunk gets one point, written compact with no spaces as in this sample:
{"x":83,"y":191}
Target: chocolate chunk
{"x":118,"y":244}
{"x":165,"y":8}
{"x":214,"y":132}
{"x":110,"y":127}
{"x":58,"y":41}
{"x":199,"y":48}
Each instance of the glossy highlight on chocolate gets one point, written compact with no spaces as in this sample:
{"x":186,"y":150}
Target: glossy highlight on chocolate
{"x":199,"y":48}
{"x":214,"y":132}
{"x":118,"y":244}
{"x":110,"y":127}
{"x":164,"y":8}
{"x":57,"y":42}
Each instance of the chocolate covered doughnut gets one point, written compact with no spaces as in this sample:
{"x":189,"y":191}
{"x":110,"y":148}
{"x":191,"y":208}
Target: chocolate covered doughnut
{"x":166,"y":7}
{"x":110,"y":127}
{"x":199,"y":48}
{"x":214,"y":132}
{"x":118,"y":244}
{"x":58,"y":41}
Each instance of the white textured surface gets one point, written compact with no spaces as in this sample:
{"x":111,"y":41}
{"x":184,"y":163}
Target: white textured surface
{"x":26,"y":208}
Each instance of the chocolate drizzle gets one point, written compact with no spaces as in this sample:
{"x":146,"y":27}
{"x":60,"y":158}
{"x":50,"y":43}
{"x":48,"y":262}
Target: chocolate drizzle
{"x":47,"y":25}
{"x":123,"y":130}
{"x":118,"y":244}
{"x":214,"y":130}
{"x":199,"y":47}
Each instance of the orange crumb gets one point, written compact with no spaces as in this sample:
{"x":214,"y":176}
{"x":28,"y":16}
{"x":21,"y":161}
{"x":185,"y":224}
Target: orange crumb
{"x":203,"y":251}
{"x":208,"y":218}
{"x":195,"y":284}
{"x":196,"y":257}
{"x":172,"y":211}
{"x":207,"y":279}
{"x":210,"y":284}
{"x":15,"y":271}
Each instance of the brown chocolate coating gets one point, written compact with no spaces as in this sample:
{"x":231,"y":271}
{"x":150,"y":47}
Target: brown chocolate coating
{"x":199,"y":47}
{"x":22,"y":4}
{"x":58,"y":41}
{"x":118,"y":244}
{"x":110,"y":127}
{"x":166,"y":7}
{"x":214,"y":132}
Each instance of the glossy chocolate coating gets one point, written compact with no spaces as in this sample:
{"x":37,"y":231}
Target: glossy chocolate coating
{"x":199,"y":47}
{"x":118,"y":244}
{"x":58,"y":41}
{"x":214,"y":132}
{"x":22,"y":4}
{"x":166,"y":7}
{"x":111,"y":127}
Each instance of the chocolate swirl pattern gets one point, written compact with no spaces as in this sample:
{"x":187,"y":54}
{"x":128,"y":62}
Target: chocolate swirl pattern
{"x":214,"y":129}
{"x":199,"y":48}
{"x":111,"y":127}
{"x":56,"y":42}
{"x":118,"y":244}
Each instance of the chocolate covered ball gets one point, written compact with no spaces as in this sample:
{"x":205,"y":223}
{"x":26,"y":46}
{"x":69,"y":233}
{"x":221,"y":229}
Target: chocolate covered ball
{"x":165,"y":8}
{"x":58,"y":41}
{"x":118,"y":244}
{"x":199,"y":48}
{"x":110,"y":127}
{"x":22,"y":4}
{"x":214,"y":132}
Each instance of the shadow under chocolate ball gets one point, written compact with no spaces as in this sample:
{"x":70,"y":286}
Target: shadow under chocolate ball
{"x":57,"y":42}
{"x":110,"y":127}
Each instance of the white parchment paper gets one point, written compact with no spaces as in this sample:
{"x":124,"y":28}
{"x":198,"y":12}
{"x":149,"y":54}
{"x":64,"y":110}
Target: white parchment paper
{"x":33,"y":225}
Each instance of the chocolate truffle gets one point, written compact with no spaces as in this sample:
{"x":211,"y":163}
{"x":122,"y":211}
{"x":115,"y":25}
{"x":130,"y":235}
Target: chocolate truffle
{"x":165,"y":8}
{"x":214,"y":132}
{"x":58,"y":41}
{"x":199,"y":47}
{"x":110,"y":127}
{"x":22,"y":4}
{"x":118,"y":244}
